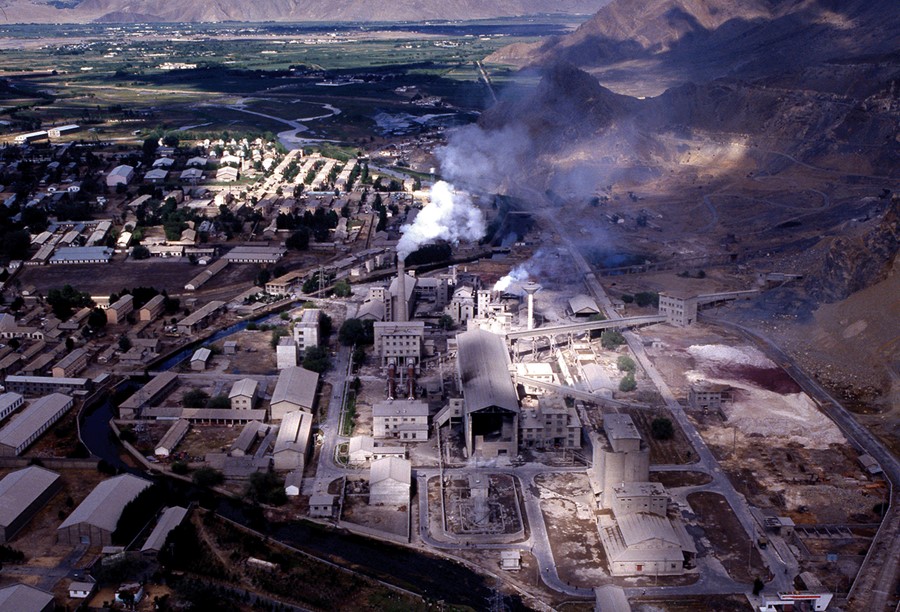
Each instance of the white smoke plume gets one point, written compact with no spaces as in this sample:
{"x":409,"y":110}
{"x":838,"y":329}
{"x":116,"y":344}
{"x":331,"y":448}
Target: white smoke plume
{"x":517,"y":275}
{"x":450,"y":216}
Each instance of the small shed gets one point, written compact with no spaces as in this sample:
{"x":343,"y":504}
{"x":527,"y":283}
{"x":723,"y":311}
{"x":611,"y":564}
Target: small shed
{"x":200,"y":359}
{"x":81,"y":590}
{"x":321,"y":506}
{"x":293,"y":483}
{"x":510,"y":560}
{"x":231,"y":347}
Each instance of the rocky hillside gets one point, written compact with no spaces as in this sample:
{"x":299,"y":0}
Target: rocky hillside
{"x":721,"y":37}
{"x":134,"y":11}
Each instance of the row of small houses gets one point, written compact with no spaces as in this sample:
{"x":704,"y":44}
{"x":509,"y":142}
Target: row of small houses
{"x":124,"y":174}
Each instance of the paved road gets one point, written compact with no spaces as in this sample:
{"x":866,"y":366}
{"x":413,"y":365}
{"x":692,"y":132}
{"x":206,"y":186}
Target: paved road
{"x":877,"y":578}
{"x":326,"y":470}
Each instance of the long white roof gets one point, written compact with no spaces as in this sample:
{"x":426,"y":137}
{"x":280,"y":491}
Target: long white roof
{"x":296,"y":385}
{"x":393,"y":468}
{"x":33,"y":418}
{"x":293,"y":434}
{"x":20,"y":489}
{"x":103,"y":506}
{"x":244,"y":387}
{"x":169,"y":520}
{"x":484,"y":371}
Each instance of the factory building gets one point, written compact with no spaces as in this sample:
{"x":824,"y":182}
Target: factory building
{"x":621,"y":457}
{"x":27,"y":427}
{"x":292,"y":446}
{"x":708,"y":396}
{"x":256,"y":254}
{"x":294,"y":390}
{"x":23,"y":494}
{"x":94,"y":520}
{"x":404,"y":420}
{"x":399,"y":344}
{"x":645,"y":545}
{"x":490,"y":403}
{"x":362,"y":449}
{"x":81,"y":255}
{"x":549,"y":423}
{"x":170,"y":519}
{"x":389,"y":482}
{"x":679,"y":309}
{"x":120,"y":175}
{"x":152,"y":392}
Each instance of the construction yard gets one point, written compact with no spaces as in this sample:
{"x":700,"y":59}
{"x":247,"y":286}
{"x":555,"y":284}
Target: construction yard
{"x":483,"y":505}
{"x":725,"y":537}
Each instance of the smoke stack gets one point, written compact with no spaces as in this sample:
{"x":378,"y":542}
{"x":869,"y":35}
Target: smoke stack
{"x":531,"y":288}
{"x":411,"y":381}
{"x":400,"y":314}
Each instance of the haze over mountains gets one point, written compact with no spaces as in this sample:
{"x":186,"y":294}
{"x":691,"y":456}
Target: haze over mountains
{"x":149,"y":11}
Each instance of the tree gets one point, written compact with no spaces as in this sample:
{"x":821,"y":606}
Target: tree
{"x":646,"y":298}
{"x":625,"y":363}
{"x":446,"y":322}
{"x":195,"y":398}
{"x":124,"y":343}
{"x":661,"y":428}
{"x":758,"y":586}
{"x":299,"y":240}
{"x":180,"y":467}
{"x":97,"y":319}
{"x":342,"y":288}
{"x":628,"y":383}
{"x":64,"y":301}
{"x":207,"y":477}
{"x":219,"y":401}
{"x":140,"y":252}
{"x":612,"y":339}
{"x":315,"y":359}
{"x":267,"y":488}
{"x":356,"y":331}
{"x":19,"y":302}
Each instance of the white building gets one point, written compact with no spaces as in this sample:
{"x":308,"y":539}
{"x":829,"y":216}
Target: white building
{"x":295,"y":390}
{"x":307,"y":329}
{"x":389,"y":482}
{"x":200,"y":359}
{"x":16,"y":436}
{"x":286,"y":354}
{"x":292,"y":446}
{"x":243,"y":394}
{"x":404,"y":420}
{"x":645,"y":545}
{"x":172,"y":438}
{"x":120,"y":175}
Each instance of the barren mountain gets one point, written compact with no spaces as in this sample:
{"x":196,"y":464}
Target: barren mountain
{"x":134,"y":11}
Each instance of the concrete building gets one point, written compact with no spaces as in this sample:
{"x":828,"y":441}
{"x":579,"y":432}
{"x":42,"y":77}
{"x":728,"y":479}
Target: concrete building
{"x":243,"y":394}
{"x":583,"y":306}
{"x":535,"y":370}
{"x":81,"y":590}
{"x":24,"y":598}
{"x":293,"y":483}
{"x":152,"y":309}
{"x":27,"y":427}
{"x":549,"y":423}
{"x":404,"y":420}
{"x":172,"y":438}
{"x":200,"y":359}
{"x":256,"y":254}
{"x":62,"y":130}
{"x":9,"y":403}
{"x":204,"y":276}
{"x":158,"y":387}
{"x":294,"y":390}
{"x":95,"y":518}
{"x":23,"y":494}
{"x":389,"y":482}
{"x":679,"y":309}
{"x":307,"y":329}
{"x":71,"y":364}
{"x":117,"y":312}
{"x":169,"y":520}
{"x":490,"y":403}
{"x":248,"y":436}
{"x":286,"y":354}
{"x":622,"y":457}
{"x":292,"y":446}
{"x":42,"y":385}
{"x":399,"y":344}
{"x":635,"y":497}
{"x":322,"y":506}
{"x":708,"y":396}
{"x":286,"y":283}
{"x":120,"y":175}
{"x":362,"y":449}
{"x":645,"y":545}
{"x":200,"y":318}
{"x":81,"y":255}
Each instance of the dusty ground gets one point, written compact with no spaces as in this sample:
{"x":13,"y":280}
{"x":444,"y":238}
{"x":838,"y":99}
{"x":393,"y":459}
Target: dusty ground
{"x":254,"y":354}
{"x":383,"y":518}
{"x":566,"y":505}
{"x":674,"y":451}
{"x":708,"y":603}
{"x":726,"y":537}
{"x":680,"y":479}
{"x":38,"y":539}
{"x":504,"y":514}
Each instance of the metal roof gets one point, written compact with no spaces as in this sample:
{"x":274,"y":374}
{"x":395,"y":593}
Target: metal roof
{"x":620,"y":427}
{"x":169,"y":520}
{"x":294,"y":432}
{"x":24,"y":598}
{"x":483,"y":363}
{"x":19,"y":489}
{"x":400,"y":408}
{"x":391,"y":468}
{"x":103,"y":506}
{"x":297,"y":386}
{"x":583,"y":304}
{"x":34,"y":418}
{"x":202,"y":354}
{"x":245,"y":387}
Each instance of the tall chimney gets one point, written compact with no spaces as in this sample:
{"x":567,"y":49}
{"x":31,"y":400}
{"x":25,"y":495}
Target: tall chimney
{"x":531,"y":288}
{"x":400,"y":313}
